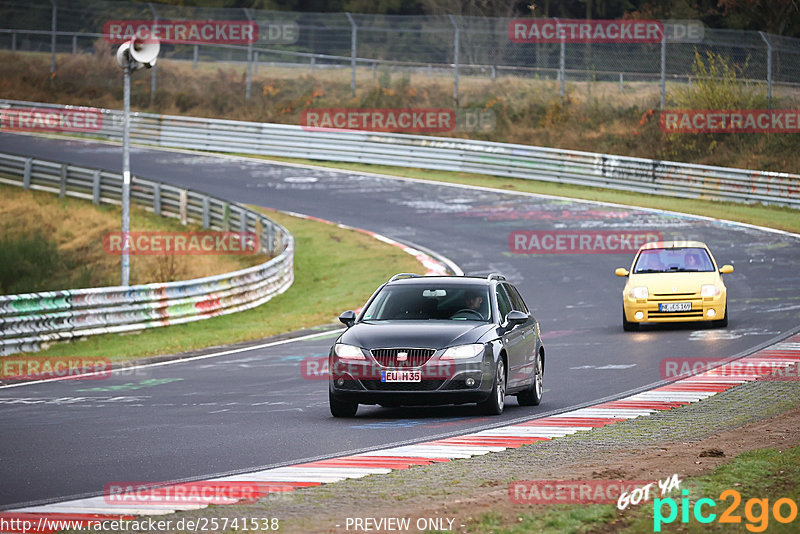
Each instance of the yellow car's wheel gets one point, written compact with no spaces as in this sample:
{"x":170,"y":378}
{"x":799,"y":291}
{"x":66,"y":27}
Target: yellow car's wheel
{"x":722,"y":323}
{"x":627,"y":325}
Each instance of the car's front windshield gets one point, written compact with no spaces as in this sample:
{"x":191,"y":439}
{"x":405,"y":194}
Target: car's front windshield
{"x":429,"y":302}
{"x":671,"y":260}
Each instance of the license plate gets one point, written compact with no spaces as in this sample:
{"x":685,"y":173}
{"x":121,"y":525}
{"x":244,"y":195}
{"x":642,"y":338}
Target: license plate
{"x":401,"y":376}
{"x":675,"y":307}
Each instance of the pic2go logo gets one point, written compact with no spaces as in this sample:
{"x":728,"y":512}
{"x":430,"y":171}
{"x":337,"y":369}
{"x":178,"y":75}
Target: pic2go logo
{"x":756,"y":511}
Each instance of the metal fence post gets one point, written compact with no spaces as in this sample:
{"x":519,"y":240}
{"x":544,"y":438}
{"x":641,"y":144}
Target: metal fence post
{"x":13,"y":41}
{"x":206,"y":212}
{"x":96,"y":187}
{"x":255,"y":63}
{"x":74,"y":43}
{"x":769,"y":69}
{"x":353,"y":49}
{"x":26,"y":174}
{"x":194,"y":57}
{"x":620,"y":82}
{"x":53,"y":38}
{"x":157,"y":199}
{"x":456,"y":46}
{"x":247,"y":90}
{"x":62,"y":192}
{"x":562,"y":68}
{"x":183,"y":200}
{"x":664,"y":70}
{"x":154,"y":70}
{"x":242,"y":220}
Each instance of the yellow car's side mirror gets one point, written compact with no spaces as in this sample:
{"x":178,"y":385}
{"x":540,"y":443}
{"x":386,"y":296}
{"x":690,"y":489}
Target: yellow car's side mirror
{"x":621,"y":271}
{"x":725,"y":269}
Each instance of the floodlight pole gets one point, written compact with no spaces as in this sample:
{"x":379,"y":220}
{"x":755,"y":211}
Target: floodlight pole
{"x":126,"y":173}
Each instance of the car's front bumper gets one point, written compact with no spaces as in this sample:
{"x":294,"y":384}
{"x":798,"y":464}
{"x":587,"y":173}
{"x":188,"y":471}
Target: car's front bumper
{"x":443,"y":382}
{"x":647,"y":310}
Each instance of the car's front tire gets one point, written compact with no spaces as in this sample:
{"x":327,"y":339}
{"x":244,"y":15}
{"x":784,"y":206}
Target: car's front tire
{"x":722,"y":323}
{"x":533,"y":395}
{"x":341,"y":408}
{"x":497,"y":399}
{"x":627,"y":325}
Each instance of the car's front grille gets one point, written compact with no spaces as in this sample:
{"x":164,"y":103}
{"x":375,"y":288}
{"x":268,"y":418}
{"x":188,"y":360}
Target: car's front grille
{"x":688,"y":314}
{"x":675,"y":296}
{"x":424,"y":385}
{"x":402,"y":357}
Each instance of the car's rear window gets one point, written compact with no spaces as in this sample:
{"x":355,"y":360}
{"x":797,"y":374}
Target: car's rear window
{"x":666,"y":260}
{"x":430,"y":302}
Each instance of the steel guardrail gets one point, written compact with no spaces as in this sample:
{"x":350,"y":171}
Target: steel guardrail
{"x":28,"y":321}
{"x":450,"y":154}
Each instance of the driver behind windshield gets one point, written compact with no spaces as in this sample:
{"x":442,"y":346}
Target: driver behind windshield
{"x":474,"y":301}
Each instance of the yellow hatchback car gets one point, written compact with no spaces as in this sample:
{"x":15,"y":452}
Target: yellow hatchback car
{"x":674,"y":281}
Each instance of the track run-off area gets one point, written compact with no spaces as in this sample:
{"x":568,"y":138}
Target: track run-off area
{"x":251,"y":409}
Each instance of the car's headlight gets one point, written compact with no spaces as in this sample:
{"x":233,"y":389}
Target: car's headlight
{"x":348,"y":352}
{"x":640,"y":292}
{"x":463,"y":352}
{"x":709,"y":290}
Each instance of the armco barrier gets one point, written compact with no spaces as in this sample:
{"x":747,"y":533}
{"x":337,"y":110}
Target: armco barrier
{"x":27,"y":321}
{"x":451,"y":154}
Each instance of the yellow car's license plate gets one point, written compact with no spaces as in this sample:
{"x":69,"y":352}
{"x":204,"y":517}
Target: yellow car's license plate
{"x":675,"y":306}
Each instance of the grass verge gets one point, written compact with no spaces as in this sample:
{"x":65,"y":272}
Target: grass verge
{"x":781,"y":218}
{"x":760,"y":478}
{"x":324,"y":286}
{"x":49,"y":243}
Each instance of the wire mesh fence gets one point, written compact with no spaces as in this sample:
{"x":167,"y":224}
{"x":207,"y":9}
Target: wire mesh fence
{"x":449,"y":46}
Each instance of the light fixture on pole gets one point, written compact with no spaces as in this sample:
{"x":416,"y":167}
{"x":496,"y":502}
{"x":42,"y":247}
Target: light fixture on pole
{"x":131,"y":55}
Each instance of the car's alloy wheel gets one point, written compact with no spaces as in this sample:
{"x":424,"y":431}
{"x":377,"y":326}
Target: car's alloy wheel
{"x":496,"y":401}
{"x":341,"y":408}
{"x":533,"y":395}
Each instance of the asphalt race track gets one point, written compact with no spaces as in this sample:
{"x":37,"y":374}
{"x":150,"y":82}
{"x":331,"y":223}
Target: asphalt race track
{"x":254,"y":409}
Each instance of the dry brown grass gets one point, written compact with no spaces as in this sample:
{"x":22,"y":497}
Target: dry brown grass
{"x":595,"y":116}
{"x":78,"y":227}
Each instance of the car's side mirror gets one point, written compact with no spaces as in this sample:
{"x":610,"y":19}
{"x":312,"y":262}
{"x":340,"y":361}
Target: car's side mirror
{"x":515,"y":317}
{"x":726,"y":269}
{"x":348,"y":318}
{"x":621,"y":271}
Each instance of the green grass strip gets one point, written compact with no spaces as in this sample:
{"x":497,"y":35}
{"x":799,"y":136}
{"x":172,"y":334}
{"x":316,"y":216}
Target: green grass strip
{"x":335,"y":270}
